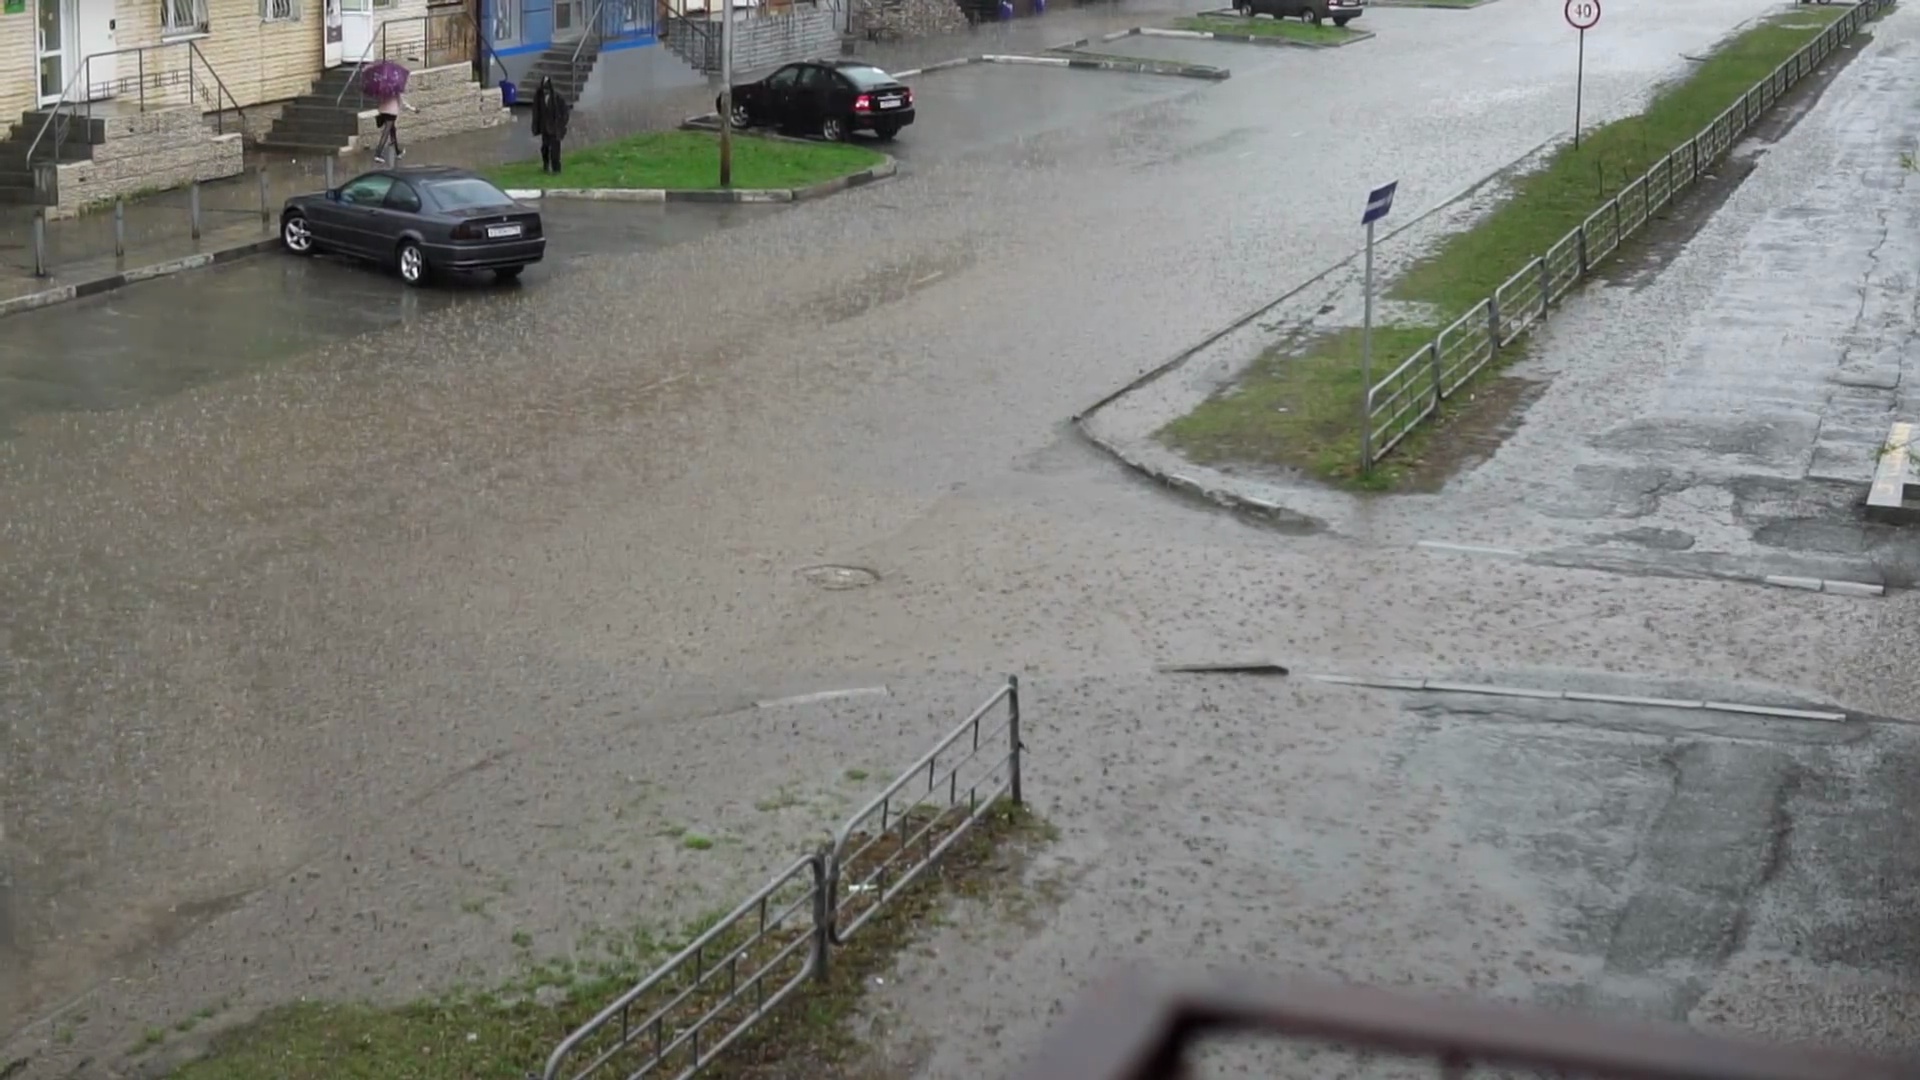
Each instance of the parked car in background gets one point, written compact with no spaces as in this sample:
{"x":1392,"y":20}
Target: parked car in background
{"x":423,"y":220}
{"x":1341,"y":12}
{"x":829,"y":98}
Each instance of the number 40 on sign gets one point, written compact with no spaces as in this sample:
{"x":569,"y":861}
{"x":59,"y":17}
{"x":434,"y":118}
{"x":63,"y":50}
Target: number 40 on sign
{"x":1582,"y":15}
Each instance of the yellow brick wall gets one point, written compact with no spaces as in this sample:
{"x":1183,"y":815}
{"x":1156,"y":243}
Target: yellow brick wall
{"x":256,"y":60}
{"x":18,"y":77}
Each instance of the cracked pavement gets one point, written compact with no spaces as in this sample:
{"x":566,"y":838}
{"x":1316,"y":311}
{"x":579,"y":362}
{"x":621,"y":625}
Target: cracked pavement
{"x":332,"y":669}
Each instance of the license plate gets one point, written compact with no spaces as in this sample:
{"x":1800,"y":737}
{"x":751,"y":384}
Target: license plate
{"x":893,"y":103}
{"x":501,"y":232}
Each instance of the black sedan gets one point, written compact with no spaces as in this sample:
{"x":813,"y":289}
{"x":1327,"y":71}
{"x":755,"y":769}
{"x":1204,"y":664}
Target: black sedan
{"x":424,"y":220}
{"x":829,"y":97}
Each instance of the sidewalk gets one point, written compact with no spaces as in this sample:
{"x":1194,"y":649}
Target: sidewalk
{"x":80,"y":251}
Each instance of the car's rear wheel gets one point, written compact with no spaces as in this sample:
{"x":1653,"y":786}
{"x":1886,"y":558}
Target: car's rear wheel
{"x":297,"y":233}
{"x":833,"y":129}
{"x":413,"y":264}
{"x":740,"y":114}
{"x":1342,"y":20}
{"x":886,"y":130}
{"x":508,"y":273}
{"x":1311,"y":15}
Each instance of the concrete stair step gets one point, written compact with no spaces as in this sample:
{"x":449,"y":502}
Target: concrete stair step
{"x":302,"y":144}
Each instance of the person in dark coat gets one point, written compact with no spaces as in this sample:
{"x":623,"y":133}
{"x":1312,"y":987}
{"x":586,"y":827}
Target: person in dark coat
{"x":550,"y":113}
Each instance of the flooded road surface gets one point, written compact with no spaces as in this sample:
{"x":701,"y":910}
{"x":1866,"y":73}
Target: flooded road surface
{"x":341,"y":657}
{"x":129,"y":347}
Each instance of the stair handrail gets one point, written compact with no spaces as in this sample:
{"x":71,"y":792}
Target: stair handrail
{"x":219,"y":113}
{"x":353,"y":81}
{"x":54,"y":113}
{"x":81,"y":79}
{"x":593,"y":27}
{"x":703,"y":29}
{"x":426,"y":39}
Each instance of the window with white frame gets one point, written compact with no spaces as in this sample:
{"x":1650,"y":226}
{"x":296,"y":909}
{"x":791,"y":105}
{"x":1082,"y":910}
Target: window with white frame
{"x":279,"y":10}
{"x":179,"y":17}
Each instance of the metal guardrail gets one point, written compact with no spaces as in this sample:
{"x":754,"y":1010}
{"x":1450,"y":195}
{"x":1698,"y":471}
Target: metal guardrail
{"x":680,"y":1017}
{"x":699,"y":1002}
{"x":892,"y":840}
{"x":1139,"y":1028}
{"x":1413,"y":391}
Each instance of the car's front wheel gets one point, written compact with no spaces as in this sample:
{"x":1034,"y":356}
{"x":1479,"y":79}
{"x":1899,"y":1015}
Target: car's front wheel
{"x":413,"y":264}
{"x":297,"y":233}
{"x":1311,"y":15}
{"x":833,"y":129}
{"x":886,"y":130}
{"x":740,"y":115}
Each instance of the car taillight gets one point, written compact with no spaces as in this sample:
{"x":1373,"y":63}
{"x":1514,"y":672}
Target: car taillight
{"x":909,"y":95}
{"x":863,"y":103}
{"x":465,"y":231}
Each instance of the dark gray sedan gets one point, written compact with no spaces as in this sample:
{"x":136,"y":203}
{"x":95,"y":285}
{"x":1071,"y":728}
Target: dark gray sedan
{"x":424,"y":220}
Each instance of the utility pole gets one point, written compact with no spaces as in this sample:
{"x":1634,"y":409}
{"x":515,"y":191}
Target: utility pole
{"x":726,"y":93}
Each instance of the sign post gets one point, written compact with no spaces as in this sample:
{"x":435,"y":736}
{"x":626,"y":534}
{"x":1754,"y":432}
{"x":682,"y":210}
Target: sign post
{"x":726,"y":94}
{"x":1582,"y":15}
{"x":1379,"y":204}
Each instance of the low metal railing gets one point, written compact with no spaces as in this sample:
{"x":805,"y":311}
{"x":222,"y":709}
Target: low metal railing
{"x":891,"y":841}
{"x":153,"y":84}
{"x":738,"y":971}
{"x":694,"y":1006}
{"x":1411,"y":392}
{"x":1138,"y":1027}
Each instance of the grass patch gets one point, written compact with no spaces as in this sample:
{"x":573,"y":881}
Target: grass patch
{"x":508,"y":1032}
{"x":1298,"y":405}
{"x":690,"y":161}
{"x":1290,"y":29}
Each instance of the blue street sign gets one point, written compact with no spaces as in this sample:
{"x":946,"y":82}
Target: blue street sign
{"x":1379,"y":202}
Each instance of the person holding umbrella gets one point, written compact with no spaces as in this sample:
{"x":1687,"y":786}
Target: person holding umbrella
{"x":387,"y":82}
{"x":550,"y":113}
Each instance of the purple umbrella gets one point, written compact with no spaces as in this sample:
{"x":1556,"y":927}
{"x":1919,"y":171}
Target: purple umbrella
{"x":384,"y":79}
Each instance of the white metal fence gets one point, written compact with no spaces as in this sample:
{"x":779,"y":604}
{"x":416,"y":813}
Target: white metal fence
{"x":1413,"y":391}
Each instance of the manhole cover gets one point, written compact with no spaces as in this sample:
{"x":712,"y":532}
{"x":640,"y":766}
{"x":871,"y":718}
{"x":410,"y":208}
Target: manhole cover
{"x":839,"y":577}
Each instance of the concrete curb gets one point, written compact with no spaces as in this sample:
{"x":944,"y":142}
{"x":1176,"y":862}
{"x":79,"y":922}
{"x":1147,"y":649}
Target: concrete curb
{"x":1133,"y":66}
{"x":1212,"y":35}
{"x":1258,"y":39}
{"x":1429,"y":4}
{"x":80,"y":290}
{"x":886,"y":168}
{"x":1440,"y":686}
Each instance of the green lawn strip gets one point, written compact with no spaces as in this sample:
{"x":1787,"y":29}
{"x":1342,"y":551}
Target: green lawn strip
{"x":690,"y":160}
{"x":1292,"y":29}
{"x":508,"y":1032}
{"x":1298,"y":404}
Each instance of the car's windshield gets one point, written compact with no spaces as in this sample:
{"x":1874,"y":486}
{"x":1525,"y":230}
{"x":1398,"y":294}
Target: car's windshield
{"x":466,"y":192}
{"x":866,"y":78}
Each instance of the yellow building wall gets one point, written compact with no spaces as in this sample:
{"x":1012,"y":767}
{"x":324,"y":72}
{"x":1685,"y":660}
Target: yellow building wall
{"x":256,"y":60}
{"x":18,"y":74}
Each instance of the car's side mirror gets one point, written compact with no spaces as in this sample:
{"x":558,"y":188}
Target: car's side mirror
{"x":333,"y":194}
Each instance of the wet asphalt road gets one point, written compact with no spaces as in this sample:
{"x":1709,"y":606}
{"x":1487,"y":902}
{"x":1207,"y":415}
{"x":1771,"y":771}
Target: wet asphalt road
{"x":309,"y":656}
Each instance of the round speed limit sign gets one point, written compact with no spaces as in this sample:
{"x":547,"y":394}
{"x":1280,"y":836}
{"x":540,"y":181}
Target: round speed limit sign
{"x":1583,"y":14}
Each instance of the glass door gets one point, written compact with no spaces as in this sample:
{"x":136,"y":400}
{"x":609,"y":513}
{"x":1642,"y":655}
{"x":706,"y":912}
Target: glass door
{"x":52,"y":49}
